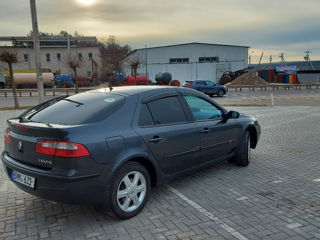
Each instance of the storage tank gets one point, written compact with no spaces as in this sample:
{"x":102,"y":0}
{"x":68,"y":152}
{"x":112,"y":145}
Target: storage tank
{"x":163,"y":78}
{"x":31,"y":78}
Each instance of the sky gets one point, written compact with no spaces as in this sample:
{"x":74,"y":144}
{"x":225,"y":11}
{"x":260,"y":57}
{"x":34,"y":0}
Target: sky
{"x":271,"y":27}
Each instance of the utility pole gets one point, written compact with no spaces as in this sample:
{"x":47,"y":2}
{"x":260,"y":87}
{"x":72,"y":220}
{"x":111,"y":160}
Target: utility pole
{"x":69,"y":48}
{"x":260,"y":61}
{"x":307,"y":58}
{"x":282,"y":59}
{"x":36,"y":45}
{"x":270,"y":60}
{"x":146,"y":62}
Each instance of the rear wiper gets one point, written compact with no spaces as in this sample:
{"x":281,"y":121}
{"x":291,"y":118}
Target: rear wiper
{"x":32,"y":111}
{"x":69,"y":100}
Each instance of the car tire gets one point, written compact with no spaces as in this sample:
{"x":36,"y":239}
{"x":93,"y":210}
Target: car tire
{"x":244,"y":151}
{"x":220,"y":93}
{"x":127,"y":197}
{"x":210,"y":95}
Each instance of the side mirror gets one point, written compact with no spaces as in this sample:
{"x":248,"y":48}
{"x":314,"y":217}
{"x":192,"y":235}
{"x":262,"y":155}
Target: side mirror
{"x":233,"y":115}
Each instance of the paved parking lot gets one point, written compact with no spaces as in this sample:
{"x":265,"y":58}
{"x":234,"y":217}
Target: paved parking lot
{"x":276,"y":197}
{"x":292,"y":97}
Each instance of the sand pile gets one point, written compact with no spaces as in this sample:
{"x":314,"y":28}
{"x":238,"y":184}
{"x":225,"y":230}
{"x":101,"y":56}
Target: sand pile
{"x":248,"y":79}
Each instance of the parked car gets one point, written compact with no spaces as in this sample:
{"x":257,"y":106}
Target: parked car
{"x":107,"y":147}
{"x":207,"y":87}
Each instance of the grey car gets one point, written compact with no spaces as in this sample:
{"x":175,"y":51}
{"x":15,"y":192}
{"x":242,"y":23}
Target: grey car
{"x":107,"y":147}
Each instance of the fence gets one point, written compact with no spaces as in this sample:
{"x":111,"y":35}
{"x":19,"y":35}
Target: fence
{"x":236,"y":88}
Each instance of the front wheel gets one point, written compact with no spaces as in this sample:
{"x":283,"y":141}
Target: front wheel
{"x":220,"y":93}
{"x":130,"y":188}
{"x":244,"y":152}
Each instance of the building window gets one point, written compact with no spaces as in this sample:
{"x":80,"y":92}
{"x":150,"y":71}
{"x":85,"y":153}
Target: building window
{"x":80,"y":56}
{"x":208,"y":59}
{"x":89,"y":73}
{"x":26,"y":57}
{"x":179,"y":60}
{"x":90,"y":56}
{"x":48,"y":57}
{"x":59,"y":57}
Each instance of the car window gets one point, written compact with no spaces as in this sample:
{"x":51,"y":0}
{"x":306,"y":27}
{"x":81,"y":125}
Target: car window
{"x":210,"y":83}
{"x":145,"y":117}
{"x":167,"y":111}
{"x":202,"y":109}
{"x":82,"y":108}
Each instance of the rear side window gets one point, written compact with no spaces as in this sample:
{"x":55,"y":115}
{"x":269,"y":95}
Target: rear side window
{"x":145,"y":117}
{"x":82,"y":108}
{"x":167,"y":111}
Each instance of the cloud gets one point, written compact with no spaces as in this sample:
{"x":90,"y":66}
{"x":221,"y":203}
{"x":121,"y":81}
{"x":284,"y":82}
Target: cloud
{"x":284,"y":24}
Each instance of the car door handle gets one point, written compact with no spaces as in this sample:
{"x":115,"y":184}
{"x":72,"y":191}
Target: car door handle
{"x":155,"y":139}
{"x":205,"y":130}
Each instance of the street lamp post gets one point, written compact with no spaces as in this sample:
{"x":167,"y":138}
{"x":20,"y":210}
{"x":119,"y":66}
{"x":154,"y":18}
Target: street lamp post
{"x":36,"y":46}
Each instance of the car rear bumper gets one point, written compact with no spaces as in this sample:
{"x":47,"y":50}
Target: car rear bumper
{"x":62,"y":186}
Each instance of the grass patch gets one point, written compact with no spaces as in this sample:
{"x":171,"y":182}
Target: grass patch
{"x":12,"y":108}
{"x":244,"y":105}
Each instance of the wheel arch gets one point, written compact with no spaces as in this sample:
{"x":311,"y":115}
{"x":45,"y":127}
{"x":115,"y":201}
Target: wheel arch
{"x":253,"y":136}
{"x":147,"y":163}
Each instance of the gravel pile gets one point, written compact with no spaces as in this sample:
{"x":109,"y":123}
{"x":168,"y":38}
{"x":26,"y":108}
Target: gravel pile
{"x":248,"y":79}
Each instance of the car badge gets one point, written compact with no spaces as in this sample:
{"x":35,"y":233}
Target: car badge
{"x":20,"y":146}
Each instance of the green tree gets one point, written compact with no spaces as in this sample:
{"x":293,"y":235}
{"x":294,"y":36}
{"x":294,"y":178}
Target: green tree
{"x":62,"y":33}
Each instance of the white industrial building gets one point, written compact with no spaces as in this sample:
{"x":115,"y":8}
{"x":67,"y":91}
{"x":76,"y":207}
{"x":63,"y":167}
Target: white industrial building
{"x":189,"y":61}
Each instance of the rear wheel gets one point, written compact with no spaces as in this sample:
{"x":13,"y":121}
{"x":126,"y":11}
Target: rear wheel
{"x":220,"y":93}
{"x":130,"y":188}
{"x":244,"y":152}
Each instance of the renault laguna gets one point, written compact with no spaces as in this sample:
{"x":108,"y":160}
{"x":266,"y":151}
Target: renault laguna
{"x":108,"y":147}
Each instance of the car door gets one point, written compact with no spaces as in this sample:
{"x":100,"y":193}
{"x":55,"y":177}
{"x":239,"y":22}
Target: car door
{"x":212,"y":89}
{"x":168,"y":133}
{"x":218,"y":136}
{"x":203,"y":87}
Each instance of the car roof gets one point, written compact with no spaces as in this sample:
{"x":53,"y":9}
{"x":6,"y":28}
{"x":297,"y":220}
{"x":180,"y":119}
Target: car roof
{"x":134,"y":90}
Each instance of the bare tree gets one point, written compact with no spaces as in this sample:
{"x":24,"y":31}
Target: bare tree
{"x":135,"y":63}
{"x":112,"y":54}
{"x":9,"y":56}
{"x":74,"y":62}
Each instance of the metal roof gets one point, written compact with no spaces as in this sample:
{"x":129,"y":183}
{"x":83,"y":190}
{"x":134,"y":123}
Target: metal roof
{"x":28,"y":38}
{"x":183,"y":44}
{"x":196,"y":43}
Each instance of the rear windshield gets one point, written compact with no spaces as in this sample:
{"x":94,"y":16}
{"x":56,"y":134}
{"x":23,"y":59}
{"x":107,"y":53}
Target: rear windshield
{"x":82,"y":108}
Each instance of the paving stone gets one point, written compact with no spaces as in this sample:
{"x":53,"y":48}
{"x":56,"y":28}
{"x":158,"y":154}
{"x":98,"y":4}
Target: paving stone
{"x":275,"y":197}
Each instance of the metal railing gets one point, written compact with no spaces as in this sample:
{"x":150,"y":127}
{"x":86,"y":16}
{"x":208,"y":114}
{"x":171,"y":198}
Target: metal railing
{"x":47,"y":92}
{"x":273,"y":87}
{"x":69,"y":91}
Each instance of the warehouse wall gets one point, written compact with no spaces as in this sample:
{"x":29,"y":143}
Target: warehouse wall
{"x":231,"y":58}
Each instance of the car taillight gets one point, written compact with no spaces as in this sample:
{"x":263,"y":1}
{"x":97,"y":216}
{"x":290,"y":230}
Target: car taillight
{"x":22,"y":127}
{"x":7,"y":136}
{"x":62,"y":149}
{"x":190,"y":86}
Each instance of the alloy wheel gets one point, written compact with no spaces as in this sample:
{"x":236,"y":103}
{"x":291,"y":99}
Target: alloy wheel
{"x":131,"y":191}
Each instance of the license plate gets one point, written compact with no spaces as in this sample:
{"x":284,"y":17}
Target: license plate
{"x":23,"y":179}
